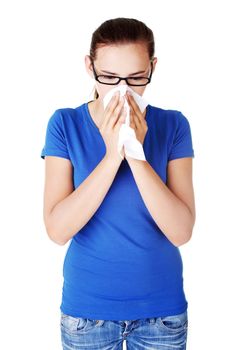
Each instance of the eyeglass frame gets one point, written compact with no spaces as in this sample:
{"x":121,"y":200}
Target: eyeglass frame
{"x":121,"y":78}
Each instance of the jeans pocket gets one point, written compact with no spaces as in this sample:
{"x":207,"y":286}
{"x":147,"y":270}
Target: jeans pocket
{"x":174,"y":323}
{"x":72,"y":324}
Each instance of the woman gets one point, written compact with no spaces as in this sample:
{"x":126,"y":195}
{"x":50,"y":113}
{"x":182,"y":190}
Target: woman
{"x":125,"y":218}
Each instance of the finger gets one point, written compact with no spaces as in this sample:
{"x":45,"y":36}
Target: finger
{"x":122,"y":118}
{"x":116,"y":113}
{"x":113,"y":102}
{"x":134,"y":119}
{"x":131,"y":118}
{"x":134,"y":106}
{"x":111,"y":107}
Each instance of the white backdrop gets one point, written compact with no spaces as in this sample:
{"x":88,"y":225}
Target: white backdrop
{"x":43,"y":44}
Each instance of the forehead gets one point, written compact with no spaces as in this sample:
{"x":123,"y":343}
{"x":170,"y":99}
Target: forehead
{"x":123,"y":56}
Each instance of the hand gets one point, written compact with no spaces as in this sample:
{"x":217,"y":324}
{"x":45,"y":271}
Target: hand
{"x":137,"y":121}
{"x":114,"y":116}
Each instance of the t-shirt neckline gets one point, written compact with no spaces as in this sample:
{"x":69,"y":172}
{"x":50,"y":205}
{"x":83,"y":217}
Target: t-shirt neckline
{"x":90,"y":117}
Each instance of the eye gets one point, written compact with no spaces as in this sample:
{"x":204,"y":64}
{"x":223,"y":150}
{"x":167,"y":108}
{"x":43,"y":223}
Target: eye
{"x":136,"y":78}
{"x":108,"y":77}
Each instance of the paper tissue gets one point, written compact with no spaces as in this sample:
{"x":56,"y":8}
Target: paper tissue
{"x":127,"y":136}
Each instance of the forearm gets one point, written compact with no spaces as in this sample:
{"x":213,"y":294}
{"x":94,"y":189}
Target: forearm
{"x":72,"y":213}
{"x":171,"y":215}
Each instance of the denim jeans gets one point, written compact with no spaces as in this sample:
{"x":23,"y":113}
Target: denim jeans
{"x":158,"y":333}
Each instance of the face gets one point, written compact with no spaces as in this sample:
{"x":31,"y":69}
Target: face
{"x":123,"y":60}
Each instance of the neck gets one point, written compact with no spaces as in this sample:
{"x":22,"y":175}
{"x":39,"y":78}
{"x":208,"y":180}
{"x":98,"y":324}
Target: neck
{"x":97,"y":112}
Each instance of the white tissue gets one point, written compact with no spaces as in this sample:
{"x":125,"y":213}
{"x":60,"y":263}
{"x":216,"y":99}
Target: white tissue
{"x":127,"y":136}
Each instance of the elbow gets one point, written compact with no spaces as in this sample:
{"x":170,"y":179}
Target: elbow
{"x":55,"y":236}
{"x":182,"y":239}
{"x":57,"y":240}
{"x":185,"y":237}
{"x":53,"y":230}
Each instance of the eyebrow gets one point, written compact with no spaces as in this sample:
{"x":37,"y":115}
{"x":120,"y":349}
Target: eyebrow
{"x":111,"y":73}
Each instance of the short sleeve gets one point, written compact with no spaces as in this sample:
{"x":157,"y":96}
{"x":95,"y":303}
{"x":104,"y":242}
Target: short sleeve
{"x":55,"y":142}
{"x":182,"y":145}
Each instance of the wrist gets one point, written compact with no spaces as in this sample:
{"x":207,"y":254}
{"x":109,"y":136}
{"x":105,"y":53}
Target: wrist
{"x":113,"y":159}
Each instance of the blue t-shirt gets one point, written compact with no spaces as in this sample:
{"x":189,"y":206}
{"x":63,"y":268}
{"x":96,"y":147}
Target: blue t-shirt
{"x":120,"y":265}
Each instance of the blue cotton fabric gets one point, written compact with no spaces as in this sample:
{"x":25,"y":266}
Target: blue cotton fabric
{"x":120,"y":265}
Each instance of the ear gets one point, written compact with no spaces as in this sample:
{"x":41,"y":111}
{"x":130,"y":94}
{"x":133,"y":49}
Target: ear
{"x":154,"y":61}
{"x":89,"y":66}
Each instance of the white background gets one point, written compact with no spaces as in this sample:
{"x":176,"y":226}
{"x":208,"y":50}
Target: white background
{"x":43,"y":44}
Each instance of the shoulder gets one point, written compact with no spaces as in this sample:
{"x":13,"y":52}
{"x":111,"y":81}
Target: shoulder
{"x":65,"y":115}
{"x":68,"y":112}
{"x":168,"y":120}
{"x":167,"y":115}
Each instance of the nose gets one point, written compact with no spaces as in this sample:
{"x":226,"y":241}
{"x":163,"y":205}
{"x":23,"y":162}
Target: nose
{"x":122,"y":82}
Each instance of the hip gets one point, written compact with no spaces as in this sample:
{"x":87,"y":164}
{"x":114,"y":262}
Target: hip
{"x":144,"y":333}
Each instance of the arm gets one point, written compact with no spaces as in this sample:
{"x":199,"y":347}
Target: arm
{"x":66,"y":210}
{"x":172,"y":205}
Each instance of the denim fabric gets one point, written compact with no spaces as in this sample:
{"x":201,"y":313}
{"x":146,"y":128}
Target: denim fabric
{"x":158,"y":333}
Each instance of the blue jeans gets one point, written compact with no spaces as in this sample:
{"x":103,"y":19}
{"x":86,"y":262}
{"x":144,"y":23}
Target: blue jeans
{"x":158,"y":333}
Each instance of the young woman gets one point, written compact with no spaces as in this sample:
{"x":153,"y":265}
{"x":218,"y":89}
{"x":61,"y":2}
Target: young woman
{"x":125,"y":218}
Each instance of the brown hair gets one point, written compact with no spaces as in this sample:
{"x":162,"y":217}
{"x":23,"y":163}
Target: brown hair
{"x":121,"y":30}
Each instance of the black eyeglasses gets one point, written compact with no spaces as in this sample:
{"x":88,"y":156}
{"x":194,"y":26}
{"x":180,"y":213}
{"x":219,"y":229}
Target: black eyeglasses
{"x":113,"y":80}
